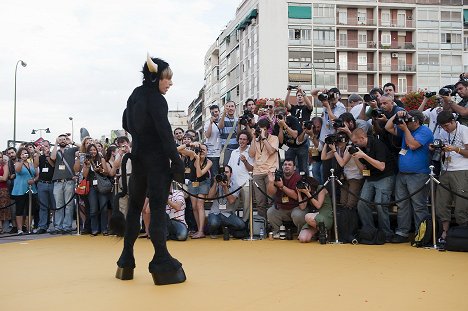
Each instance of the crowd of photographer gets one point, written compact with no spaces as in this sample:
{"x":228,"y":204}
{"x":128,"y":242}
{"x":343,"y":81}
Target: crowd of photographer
{"x":378,"y":151}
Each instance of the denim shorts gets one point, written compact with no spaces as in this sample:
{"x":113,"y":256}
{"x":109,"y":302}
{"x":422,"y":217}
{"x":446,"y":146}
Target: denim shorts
{"x":203,"y":187}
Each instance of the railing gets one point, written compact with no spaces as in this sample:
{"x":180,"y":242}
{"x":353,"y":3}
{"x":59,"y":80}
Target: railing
{"x":353,"y":88}
{"x":356,"y":22}
{"x":330,"y":43}
{"x":356,"y":44}
{"x":300,"y":42}
{"x":411,"y":68}
{"x":398,"y":46}
{"x":357,"y":66}
{"x":408,"y":23}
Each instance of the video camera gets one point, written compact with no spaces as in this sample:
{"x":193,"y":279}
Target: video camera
{"x":278,"y":175}
{"x":430,"y":94}
{"x":448,"y":90}
{"x":246,"y":118}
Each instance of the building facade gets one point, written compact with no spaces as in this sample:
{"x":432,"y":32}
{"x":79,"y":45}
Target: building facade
{"x":352,"y":45}
{"x":178,"y":118}
{"x":195,"y":113}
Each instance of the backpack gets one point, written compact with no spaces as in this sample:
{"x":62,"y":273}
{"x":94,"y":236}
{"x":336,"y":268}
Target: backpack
{"x":457,"y":239}
{"x":371,"y":236}
{"x":347,"y":222}
{"x":423,"y":236}
{"x":259,"y":223}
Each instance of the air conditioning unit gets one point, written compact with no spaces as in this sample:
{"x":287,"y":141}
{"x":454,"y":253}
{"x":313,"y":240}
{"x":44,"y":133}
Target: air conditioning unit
{"x":253,"y":22}
{"x":394,"y":55}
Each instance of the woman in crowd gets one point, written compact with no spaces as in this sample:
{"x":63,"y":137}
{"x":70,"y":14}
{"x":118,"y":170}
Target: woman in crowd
{"x":4,"y":195}
{"x":109,"y":160}
{"x":95,"y":164}
{"x":320,"y":216}
{"x":26,"y":178}
{"x":199,"y":182}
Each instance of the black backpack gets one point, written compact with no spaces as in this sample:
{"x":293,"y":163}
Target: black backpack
{"x":423,"y":236}
{"x":457,"y":239}
{"x":371,"y":236}
{"x":348,"y":223}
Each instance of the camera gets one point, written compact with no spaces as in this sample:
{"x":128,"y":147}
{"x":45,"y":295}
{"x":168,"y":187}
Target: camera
{"x":337,"y":123}
{"x":438,"y":145}
{"x":369,"y":98}
{"x":405,"y":118}
{"x":278,"y":175}
{"x":279,"y":117}
{"x":246,"y":117}
{"x":88,"y":156}
{"x":447,"y":90}
{"x":308,"y":124}
{"x":196,"y":150}
{"x":430,"y":94}
{"x":377,"y":113}
{"x":330,"y":139}
{"x":302,"y":183}
{"x":353,"y":149}
{"x":258,"y":131}
{"x":322,"y":97}
{"x":221,"y":177}
{"x":292,"y":87}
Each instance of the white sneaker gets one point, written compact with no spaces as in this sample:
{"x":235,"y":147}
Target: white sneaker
{"x":20,"y":232}
{"x":276,"y":236}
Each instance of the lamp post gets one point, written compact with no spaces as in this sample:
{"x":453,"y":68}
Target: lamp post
{"x":40,"y":131}
{"x":72,"y":136}
{"x":14,"y":107}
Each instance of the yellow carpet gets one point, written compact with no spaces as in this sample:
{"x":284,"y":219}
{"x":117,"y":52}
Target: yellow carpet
{"x":77,"y":273}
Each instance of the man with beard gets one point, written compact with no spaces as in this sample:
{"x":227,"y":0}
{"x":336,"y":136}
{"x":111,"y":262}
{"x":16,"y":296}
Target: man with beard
{"x":303,"y":107}
{"x":64,"y":184}
{"x":45,"y":187}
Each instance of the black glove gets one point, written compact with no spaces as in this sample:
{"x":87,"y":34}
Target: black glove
{"x":178,"y":170}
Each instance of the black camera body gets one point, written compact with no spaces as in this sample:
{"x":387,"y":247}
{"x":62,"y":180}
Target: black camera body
{"x":438,"y":145}
{"x":337,"y":123}
{"x":369,"y":98}
{"x":196,"y":150}
{"x":448,"y":90}
{"x":292,"y":87}
{"x":353,"y":149}
{"x":405,"y":118}
{"x":330,"y":139}
{"x":323,"y":96}
{"x":308,"y":125}
{"x":278,"y":175}
{"x":88,"y":156}
{"x":279,"y":117}
{"x":430,"y":94}
{"x":302,"y":184}
{"x":221,"y":177}
{"x":246,"y":118}
{"x":377,"y":113}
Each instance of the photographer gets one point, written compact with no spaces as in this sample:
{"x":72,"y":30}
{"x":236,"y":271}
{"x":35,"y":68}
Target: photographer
{"x":319,"y":217}
{"x":212,"y":139}
{"x":250,"y":106}
{"x":11,"y":153}
{"x":311,"y":130}
{"x":333,"y":108}
{"x":199,"y":183}
{"x":413,"y":165}
{"x":228,"y":124}
{"x":241,"y":164}
{"x":347,"y":124}
{"x":178,"y":135}
{"x":303,"y":107}
{"x":45,"y":187}
{"x":389,"y":89}
{"x":223,"y":210}
{"x":376,"y":165}
{"x":282,"y":186}
{"x":461,"y":108}
{"x":454,"y":137}
{"x":371,"y":102}
{"x":287,"y":128}
{"x":264,"y":149}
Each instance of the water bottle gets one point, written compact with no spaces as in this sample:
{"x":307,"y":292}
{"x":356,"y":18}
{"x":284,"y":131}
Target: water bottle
{"x":262,"y":234}
{"x":282,"y":232}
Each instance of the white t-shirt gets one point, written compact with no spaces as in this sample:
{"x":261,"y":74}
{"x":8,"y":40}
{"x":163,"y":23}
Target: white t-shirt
{"x":240,"y":174}
{"x":213,"y":143}
{"x":327,"y":126}
{"x":356,"y":111}
{"x":458,"y":138}
{"x":431,"y":115}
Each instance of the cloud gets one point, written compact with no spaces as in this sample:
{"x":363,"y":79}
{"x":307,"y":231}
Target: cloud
{"x":84,"y":58}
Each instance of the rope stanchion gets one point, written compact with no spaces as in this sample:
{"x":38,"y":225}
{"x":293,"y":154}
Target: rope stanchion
{"x":77,"y":205}
{"x":333,"y":190}
{"x":29,"y":209}
{"x":207,"y":198}
{"x":432,"y":181}
{"x":251,"y":237}
{"x":7,"y":206}
{"x":451,"y":191}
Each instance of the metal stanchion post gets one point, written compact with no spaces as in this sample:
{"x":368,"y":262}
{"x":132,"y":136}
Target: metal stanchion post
{"x":251,"y":237}
{"x":77,"y":204}
{"x":333,"y":188}
{"x":433,"y":180}
{"x":30,"y":209}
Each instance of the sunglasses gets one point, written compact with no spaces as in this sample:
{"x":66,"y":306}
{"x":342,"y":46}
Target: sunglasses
{"x":269,"y":106}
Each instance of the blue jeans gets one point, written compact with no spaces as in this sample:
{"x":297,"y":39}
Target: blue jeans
{"x":98,"y":209}
{"x":302,"y":155}
{"x":176,"y":230}
{"x":376,"y":191}
{"x":63,"y":193}
{"x":45,"y":194}
{"x":415,"y":206}
{"x":317,"y":171}
{"x":215,"y":221}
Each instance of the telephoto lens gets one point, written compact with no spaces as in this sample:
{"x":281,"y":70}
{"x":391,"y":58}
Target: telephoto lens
{"x":282,"y":232}
{"x":225,"y":233}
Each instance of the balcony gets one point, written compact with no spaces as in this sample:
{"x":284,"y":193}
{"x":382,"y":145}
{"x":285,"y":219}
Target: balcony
{"x":300,"y":42}
{"x":395,"y":24}
{"x":393,"y":68}
{"x":355,"y":44}
{"x":362,"y":89}
{"x":397,"y":46}
{"x":356,"y":67}
{"x":355,"y":22}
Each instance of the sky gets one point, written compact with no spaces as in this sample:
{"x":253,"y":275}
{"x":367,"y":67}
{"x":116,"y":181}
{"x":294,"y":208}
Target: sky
{"x":84,"y":59}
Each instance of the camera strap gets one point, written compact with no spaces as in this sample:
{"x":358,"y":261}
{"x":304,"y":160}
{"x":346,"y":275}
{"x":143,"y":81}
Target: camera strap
{"x":60,"y":154}
{"x":228,"y":139}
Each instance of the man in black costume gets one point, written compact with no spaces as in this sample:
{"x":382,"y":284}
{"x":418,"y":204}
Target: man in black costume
{"x":153,"y":152}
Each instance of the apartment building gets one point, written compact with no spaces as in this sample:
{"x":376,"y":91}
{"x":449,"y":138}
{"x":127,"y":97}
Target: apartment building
{"x":195,"y":113}
{"x":354,"y":45}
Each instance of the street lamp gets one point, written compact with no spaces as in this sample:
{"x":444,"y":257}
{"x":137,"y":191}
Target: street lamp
{"x":72,"y":137}
{"x":40,"y":131}
{"x":14,"y":107}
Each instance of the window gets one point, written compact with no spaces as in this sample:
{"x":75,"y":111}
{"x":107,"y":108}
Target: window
{"x":324,"y":10}
{"x":343,"y":17}
{"x":324,"y":37}
{"x":386,"y":38}
{"x":386,"y":61}
{"x":386,"y":79}
{"x":402,"y":85}
{"x":465,"y":43}
{"x":300,"y":12}
{"x":343,"y":38}
{"x":324,"y":59}
{"x":452,"y":16}
{"x":343,"y":61}
{"x":362,"y":38}
{"x":362,"y":83}
{"x":361,"y":17}
{"x":385,"y":18}
{"x":326,"y":79}
{"x":450,"y":37}
{"x":401,"y":19}
{"x":299,"y":56}
{"x":299,"y":34}
{"x":402,"y":62}
{"x":362,"y":59}
{"x":343,"y":82}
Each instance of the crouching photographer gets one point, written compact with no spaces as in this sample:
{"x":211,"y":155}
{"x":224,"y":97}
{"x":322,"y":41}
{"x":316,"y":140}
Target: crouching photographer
{"x":223,"y":210}
{"x":319,"y":217}
{"x":282,"y":186}
{"x":454,"y":174}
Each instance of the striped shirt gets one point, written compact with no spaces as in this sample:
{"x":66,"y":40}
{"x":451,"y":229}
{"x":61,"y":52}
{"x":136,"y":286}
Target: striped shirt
{"x":177,"y":196}
{"x":229,"y":123}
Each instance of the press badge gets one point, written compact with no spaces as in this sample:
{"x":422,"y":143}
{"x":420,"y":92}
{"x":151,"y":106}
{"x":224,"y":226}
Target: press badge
{"x":285,"y":148}
{"x":187,"y":170}
{"x":285,"y":199}
{"x":222,"y":206}
{"x":315,"y":152}
{"x":195,"y":184}
{"x":366,"y":173}
{"x":62,"y":167}
{"x":45,"y":169}
{"x":403,"y":152}
{"x":448,"y":159}
{"x":94,"y":182}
